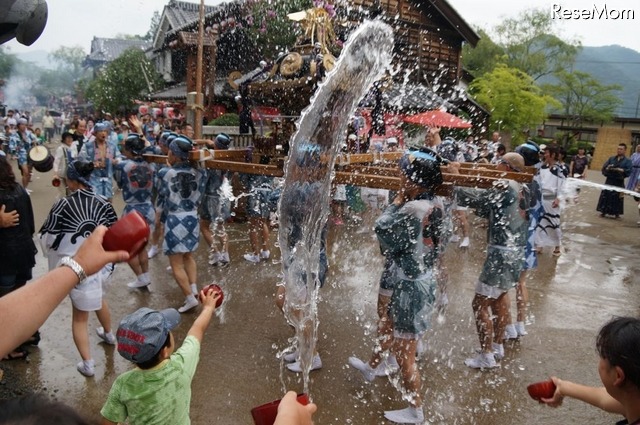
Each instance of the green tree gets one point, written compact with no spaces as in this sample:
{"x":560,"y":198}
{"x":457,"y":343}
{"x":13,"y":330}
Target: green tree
{"x":583,"y":98}
{"x":515,"y":102}
{"x":131,"y":76}
{"x":484,"y":57}
{"x":268,"y":24}
{"x":7,"y":63}
{"x":153,"y":27}
{"x":69,"y":60}
{"x":531,"y":45}
{"x":68,"y":73}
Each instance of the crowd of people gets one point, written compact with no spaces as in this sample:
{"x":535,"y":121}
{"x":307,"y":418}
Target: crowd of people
{"x":180,"y":201}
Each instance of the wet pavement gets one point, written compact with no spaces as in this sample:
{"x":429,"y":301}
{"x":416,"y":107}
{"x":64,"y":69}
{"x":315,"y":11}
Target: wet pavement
{"x":571,"y":297}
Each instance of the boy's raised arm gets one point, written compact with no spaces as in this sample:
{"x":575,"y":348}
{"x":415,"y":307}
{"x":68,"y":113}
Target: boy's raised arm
{"x":208,"y":308}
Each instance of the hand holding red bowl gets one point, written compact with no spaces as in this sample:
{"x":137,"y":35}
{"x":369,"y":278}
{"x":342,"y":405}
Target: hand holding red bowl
{"x":540,"y":390}
{"x":216,"y":289}
{"x":130,"y":233}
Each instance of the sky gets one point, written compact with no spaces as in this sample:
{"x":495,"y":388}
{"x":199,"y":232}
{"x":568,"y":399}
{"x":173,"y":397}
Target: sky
{"x":76,"y":22}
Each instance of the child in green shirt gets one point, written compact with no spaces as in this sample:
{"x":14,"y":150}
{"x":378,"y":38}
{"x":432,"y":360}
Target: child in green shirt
{"x":158,"y":390}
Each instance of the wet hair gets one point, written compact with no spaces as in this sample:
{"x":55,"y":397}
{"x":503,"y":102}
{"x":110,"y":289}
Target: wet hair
{"x":134,"y":144}
{"x":562,"y":152}
{"x":37,"y":409}
{"x":618,"y":342}
{"x":530,"y":151}
{"x":423,"y":168}
{"x":84,"y":168}
{"x":155,"y":360}
{"x":553,"y":151}
{"x":7,"y":178}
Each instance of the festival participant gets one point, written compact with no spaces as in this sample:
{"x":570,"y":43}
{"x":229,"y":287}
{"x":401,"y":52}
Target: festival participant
{"x":616,"y":169}
{"x":449,"y":150}
{"x":43,"y":294}
{"x":163,"y":142}
{"x":181,"y":189}
{"x":21,"y":142}
{"x":530,"y":154}
{"x":135,"y":177}
{"x":64,"y":155}
{"x":579,"y":165}
{"x":158,"y":390}
{"x":408,"y":287}
{"x":17,"y":256}
{"x":618,"y":344}
{"x":634,"y":177}
{"x":499,"y":153}
{"x":305,"y":187}
{"x":10,"y":119}
{"x":69,"y":222}
{"x":41,"y":138}
{"x":551,"y":178}
{"x":259,"y":189}
{"x":48,"y":123}
{"x":77,"y":128}
{"x":215,"y":208}
{"x":5,"y":137}
{"x":432,"y":138}
{"x":505,"y":206}
{"x":103,"y":154}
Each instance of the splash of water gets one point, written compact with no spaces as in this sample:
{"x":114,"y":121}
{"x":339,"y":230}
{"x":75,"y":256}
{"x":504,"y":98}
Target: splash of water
{"x":572,"y":183}
{"x":304,"y":203}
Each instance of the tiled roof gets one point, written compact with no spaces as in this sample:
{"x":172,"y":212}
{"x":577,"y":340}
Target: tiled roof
{"x":180,"y":13}
{"x":108,"y":49}
{"x":212,"y":14}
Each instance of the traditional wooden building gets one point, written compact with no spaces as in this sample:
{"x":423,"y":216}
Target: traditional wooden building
{"x":429,"y":36}
{"x":106,"y":50}
{"x":174,"y":49}
{"x":428,"y":46}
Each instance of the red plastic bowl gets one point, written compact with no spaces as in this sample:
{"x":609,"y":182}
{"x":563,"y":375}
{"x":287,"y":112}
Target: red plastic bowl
{"x":216,"y":288}
{"x":130,"y":233}
{"x":266,"y":414}
{"x":544,"y":389}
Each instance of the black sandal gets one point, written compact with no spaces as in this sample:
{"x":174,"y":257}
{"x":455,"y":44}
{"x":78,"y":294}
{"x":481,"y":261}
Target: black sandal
{"x":34,"y":340}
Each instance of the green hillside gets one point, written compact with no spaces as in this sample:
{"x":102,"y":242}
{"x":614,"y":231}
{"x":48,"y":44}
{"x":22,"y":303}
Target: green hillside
{"x":615,"y":65}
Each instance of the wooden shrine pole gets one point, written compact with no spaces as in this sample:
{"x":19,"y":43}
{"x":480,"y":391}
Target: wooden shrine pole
{"x":199,"y":101}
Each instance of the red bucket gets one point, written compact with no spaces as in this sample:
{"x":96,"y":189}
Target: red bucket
{"x":265,"y":414}
{"x":130,"y":233}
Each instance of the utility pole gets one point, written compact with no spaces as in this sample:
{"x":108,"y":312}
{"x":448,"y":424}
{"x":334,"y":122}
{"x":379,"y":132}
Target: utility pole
{"x":199,"y":103}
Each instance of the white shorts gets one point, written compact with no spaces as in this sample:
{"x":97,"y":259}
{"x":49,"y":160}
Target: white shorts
{"x":87,"y":296}
{"x":492,"y":292}
{"x":340,"y":193}
{"x":374,"y":198}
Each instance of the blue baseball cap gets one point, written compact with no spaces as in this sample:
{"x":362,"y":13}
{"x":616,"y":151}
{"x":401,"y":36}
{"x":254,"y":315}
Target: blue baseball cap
{"x":142,"y":334}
